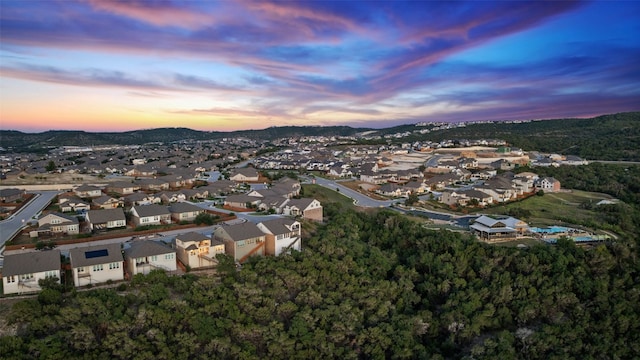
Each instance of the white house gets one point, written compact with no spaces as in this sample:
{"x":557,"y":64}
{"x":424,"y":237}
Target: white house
{"x":143,"y":256}
{"x":56,"y":223}
{"x":150,"y":215}
{"x":105,"y":219}
{"x":21,"y":272}
{"x":96,"y":264}
{"x":282,"y":235}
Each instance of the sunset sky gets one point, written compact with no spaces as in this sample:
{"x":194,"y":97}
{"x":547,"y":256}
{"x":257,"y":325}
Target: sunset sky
{"x":99,"y":65}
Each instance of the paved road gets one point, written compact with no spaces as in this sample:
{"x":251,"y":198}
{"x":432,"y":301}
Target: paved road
{"x":358,"y":198}
{"x":11,"y":226}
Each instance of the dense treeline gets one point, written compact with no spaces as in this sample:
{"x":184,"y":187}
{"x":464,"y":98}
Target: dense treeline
{"x":365,"y":286}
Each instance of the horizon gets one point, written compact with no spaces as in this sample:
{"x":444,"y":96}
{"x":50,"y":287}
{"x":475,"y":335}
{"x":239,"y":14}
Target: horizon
{"x":112,"y":66}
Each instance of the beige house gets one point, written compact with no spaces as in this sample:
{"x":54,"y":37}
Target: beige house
{"x":184,"y":212}
{"x":56,"y":223}
{"x":141,"y":257}
{"x":107,"y":202}
{"x":21,"y":272}
{"x":88,"y":191}
{"x":245,"y":175}
{"x":198,"y":251}
{"x":310,"y":209}
{"x":106,"y":219}
{"x":96,"y":264}
{"x":241,"y":240}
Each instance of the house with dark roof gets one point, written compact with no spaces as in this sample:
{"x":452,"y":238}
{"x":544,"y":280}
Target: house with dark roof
{"x":241,"y":240}
{"x":196,"y":250}
{"x":306,"y":208}
{"x":143,"y":256}
{"x":21,"y":272}
{"x":96,"y":264}
{"x":106,"y":219}
{"x":122,"y":188}
{"x":107,"y":202}
{"x":281,"y":235}
{"x":88,"y":191}
{"x":150,"y":215}
{"x":244,"y":175}
{"x":547,"y":184}
{"x":141,"y":198}
{"x":183,"y":211}
{"x":56,"y":223}
{"x":11,"y":195}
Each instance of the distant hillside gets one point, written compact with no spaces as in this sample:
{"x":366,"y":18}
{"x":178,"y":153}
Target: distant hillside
{"x":28,"y":142}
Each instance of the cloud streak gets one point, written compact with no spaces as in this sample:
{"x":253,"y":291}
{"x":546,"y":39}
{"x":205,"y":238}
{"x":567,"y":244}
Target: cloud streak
{"x":347,"y":60}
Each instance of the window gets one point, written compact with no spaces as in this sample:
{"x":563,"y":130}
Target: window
{"x":154,"y":258}
{"x":168,"y":256}
{"x":25,"y":277}
{"x":80,"y":269}
{"x":98,"y":267}
{"x":11,"y":279}
{"x":114,"y":265}
{"x":50,"y":274}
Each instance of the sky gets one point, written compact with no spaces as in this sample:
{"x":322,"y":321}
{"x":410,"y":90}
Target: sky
{"x":113,"y":65}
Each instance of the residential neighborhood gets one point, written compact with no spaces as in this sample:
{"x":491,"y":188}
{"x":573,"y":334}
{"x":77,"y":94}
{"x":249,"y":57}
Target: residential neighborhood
{"x":144,"y":187}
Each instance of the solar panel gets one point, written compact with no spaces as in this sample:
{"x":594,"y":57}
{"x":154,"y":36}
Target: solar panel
{"x":96,"y":253}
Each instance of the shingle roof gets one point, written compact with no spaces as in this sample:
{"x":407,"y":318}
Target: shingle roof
{"x":146,"y":248}
{"x":278,"y":226}
{"x":105,"y":215}
{"x":183,"y":207}
{"x":31,"y":262}
{"x":151,"y":210}
{"x":191,"y":236}
{"x":93,"y":255}
{"x":247,"y":230}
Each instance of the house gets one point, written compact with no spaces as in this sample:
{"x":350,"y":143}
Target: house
{"x":96,"y":264}
{"x":56,"y":223}
{"x":153,"y":184}
{"x":307,"y":208}
{"x":21,"y":272}
{"x":72,"y":203}
{"x":150,"y":215}
{"x":88,"y":191}
{"x":547,"y":184}
{"x":11,"y":195}
{"x":391,"y":189}
{"x":106,"y":219}
{"x":281,"y":235}
{"x":171,"y":197}
{"x":107,"y":202}
{"x":464,"y":198}
{"x":245,"y":175}
{"x":195,"y":250}
{"x":143,"y":256}
{"x":493,"y":230}
{"x":122,"y":188}
{"x":241,"y":240}
{"x":141,"y":198}
{"x":242,"y":201}
{"x":183,"y":211}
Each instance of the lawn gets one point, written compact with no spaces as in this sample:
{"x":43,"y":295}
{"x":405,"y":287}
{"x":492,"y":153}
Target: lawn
{"x":325,"y":195}
{"x":553,"y":207}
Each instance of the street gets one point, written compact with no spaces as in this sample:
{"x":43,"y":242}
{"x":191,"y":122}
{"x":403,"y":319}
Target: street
{"x":11,"y":226}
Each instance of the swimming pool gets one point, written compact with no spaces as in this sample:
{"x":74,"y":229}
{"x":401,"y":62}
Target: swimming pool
{"x":549,"y":230}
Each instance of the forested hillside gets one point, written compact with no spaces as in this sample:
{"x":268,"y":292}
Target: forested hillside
{"x":365,"y":286}
{"x":607,"y":137}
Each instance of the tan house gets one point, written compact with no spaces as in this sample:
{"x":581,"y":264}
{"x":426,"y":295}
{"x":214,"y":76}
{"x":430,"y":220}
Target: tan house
{"x":122,"y":188}
{"x":88,"y":191}
{"x":183,"y":211}
{"x":107,"y":202}
{"x":106,"y":219}
{"x":245,"y":175}
{"x":241,"y":240}
{"x":310,"y":209}
{"x":196,"y":250}
{"x":56,"y":223}
{"x":492,"y":230}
